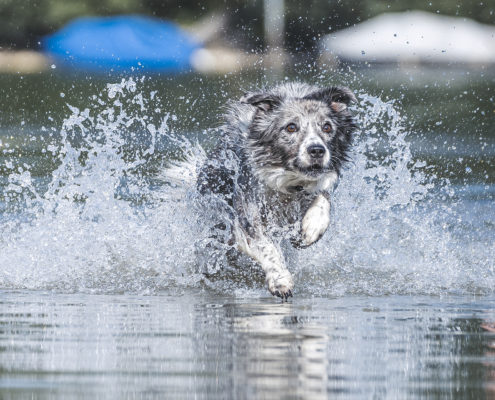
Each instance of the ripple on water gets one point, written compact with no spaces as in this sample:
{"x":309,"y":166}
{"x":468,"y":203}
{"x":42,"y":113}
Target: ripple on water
{"x":101,"y":222}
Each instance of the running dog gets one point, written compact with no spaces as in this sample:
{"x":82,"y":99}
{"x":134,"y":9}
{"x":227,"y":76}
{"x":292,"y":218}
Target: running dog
{"x":280,"y":156}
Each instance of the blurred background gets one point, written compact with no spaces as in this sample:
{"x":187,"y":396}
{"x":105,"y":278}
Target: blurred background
{"x":433,"y":58}
{"x":239,"y":24}
{"x":98,"y":95}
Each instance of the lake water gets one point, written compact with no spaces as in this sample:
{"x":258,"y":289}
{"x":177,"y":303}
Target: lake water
{"x":198,"y":345}
{"x":101,"y":295}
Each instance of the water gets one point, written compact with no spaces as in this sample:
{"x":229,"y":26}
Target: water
{"x":208,"y":346}
{"x":101,"y":290}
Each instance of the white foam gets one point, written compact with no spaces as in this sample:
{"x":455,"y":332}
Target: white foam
{"x":100,"y":226}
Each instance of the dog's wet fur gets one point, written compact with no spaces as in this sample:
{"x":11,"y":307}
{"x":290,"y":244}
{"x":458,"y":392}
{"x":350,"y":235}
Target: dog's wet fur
{"x":280,"y":156}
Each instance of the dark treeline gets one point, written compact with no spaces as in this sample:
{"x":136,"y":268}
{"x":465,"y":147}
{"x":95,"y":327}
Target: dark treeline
{"x":24,"y":22}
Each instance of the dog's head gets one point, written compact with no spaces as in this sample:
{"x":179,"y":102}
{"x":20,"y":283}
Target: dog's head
{"x":304,"y":130}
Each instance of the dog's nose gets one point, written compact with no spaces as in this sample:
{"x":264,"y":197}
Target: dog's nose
{"x":316,"y":151}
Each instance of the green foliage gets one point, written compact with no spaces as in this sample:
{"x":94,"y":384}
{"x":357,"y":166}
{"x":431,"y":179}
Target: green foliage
{"x":23,"y":22}
{"x":480,"y":10}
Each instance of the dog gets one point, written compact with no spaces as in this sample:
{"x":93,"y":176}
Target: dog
{"x":279,"y":157}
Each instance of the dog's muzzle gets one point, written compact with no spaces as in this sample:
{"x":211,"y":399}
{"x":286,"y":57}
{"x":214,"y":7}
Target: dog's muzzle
{"x":316,"y":151}
{"x":313,"y":159}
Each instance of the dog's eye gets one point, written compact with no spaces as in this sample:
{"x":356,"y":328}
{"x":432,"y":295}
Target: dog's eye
{"x":327,"y":128}
{"x":291,"y":128}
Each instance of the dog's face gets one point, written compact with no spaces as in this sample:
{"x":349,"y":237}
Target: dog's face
{"x":307,"y":135}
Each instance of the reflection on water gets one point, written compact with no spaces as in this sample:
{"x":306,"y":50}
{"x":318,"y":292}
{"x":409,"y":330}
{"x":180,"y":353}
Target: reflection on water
{"x":205,"y":346}
{"x":80,"y":213}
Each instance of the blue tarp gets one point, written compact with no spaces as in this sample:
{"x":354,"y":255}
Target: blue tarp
{"x":121,"y":43}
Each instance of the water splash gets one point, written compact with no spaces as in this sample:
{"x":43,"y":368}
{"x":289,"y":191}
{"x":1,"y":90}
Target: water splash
{"x":391,"y":223}
{"x":100,"y":223}
{"x":94,"y":227}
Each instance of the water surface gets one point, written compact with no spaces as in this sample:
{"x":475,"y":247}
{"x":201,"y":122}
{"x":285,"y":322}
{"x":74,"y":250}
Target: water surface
{"x":102,"y":296}
{"x":210,"y":346}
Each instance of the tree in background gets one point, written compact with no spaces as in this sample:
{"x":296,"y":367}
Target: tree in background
{"x":23,"y":23}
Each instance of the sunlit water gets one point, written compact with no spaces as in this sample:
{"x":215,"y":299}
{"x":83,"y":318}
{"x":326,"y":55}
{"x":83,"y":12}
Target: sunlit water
{"x":102,"y":293}
{"x":206,"y":346}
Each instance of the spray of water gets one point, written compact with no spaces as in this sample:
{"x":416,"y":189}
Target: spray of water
{"x":100,"y":223}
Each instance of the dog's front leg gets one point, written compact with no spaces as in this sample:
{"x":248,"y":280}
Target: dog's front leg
{"x":278,"y":278}
{"x":258,"y":246}
{"x":316,"y":220}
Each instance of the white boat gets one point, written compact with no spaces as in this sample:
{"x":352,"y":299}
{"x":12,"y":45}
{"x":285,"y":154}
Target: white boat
{"x":414,"y":36}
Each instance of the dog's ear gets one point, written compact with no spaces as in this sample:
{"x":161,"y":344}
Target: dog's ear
{"x":264,"y":101}
{"x":337,"y":98}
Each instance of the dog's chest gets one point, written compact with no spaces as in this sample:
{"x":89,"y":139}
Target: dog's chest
{"x":283,"y":212}
{"x":287,"y":182}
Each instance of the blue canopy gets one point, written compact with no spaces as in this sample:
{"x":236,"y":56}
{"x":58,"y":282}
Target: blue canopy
{"x":121,"y":43}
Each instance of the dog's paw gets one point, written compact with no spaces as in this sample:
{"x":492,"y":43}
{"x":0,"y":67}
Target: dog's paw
{"x":314,"y":224}
{"x":280,"y":284}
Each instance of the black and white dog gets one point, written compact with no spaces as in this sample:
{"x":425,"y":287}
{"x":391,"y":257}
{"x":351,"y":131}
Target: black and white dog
{"x":279,"y":158}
